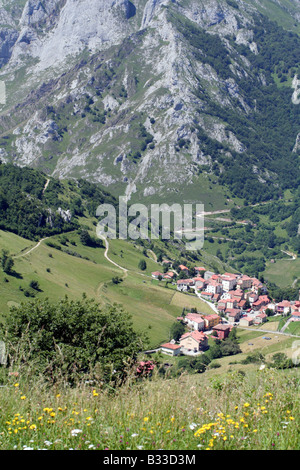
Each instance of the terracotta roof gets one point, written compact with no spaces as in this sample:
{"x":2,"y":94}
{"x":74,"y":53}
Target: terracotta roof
{"x":194,"y":317}
{"x":222,"y":327}
{"x":196,"y":335}
{"x":170,"y":346}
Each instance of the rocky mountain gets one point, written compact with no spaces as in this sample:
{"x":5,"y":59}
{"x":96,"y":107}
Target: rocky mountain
{"x":162,"y":100}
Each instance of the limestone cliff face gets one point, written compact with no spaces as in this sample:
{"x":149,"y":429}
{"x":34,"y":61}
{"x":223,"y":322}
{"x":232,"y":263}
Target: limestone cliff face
{"x":116,"y":91}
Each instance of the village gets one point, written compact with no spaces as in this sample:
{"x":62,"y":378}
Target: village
{"x":236,"y":299}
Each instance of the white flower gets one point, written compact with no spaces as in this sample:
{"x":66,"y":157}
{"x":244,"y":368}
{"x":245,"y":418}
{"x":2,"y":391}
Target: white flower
{"x":192,"y":426}
{"x":140,"y":447}
{"x":48,"y":443}
{"x":74,"y":432}
{"x":91,"y":446}
{"x":27,"y":448}
{"x":134,"y":435}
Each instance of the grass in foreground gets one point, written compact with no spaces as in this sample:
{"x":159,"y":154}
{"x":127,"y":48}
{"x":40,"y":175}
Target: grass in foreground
{"x":254,"y":411}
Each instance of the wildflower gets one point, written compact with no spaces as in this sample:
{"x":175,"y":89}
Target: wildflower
{"x":192,"y":426}
{"x":74,"y":432}
{"x":23,"y":397}
{"x":134,"y":435}
{"x":16,"y":385}
{"x":146,"y":419}
{"x":246,"y":405}
{"x":32,"y":426}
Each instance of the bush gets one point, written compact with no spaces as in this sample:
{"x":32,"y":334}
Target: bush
{"x":142,"y":265}
{"x":69,"y":339}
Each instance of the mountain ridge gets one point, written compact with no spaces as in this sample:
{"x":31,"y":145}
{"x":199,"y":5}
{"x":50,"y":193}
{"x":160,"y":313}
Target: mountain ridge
{"x":182,"y":96}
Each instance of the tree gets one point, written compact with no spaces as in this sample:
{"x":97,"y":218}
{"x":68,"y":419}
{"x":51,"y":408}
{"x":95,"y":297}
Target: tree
{"x":177,"y":330}
{"x":85,"y":238}
{"x":142,"y":265}
{"x":69,"y":339}
{"x":7,"y":263}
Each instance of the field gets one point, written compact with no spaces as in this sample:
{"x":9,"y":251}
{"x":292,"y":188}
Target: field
{"x":153,"y":307}
{"x":283,"y":272}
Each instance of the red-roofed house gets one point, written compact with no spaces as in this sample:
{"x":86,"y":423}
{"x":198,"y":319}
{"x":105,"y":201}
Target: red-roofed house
{"x":261,"y":302}
{"x":296,"y":315}
{"x":185,"y":284}
{"x":171,"y":349}
{"x":207,"y":295}
{"x":260,"y":318}
{"x":216,"y":297}
{"x":244,"y":282}
{"x":195,"y":321}
{"x":183,"y":268}
{"x":228,"y":281}
{"x":156,"y":274}
{"x":233,"y":314}
{"x":200,"y":283}
{"x":211,"y":320}
{"x":252,"y":297}
{"x":283,"y":307}
{"x":213,"y":287}
{"x":246,"y":321}
{"x":242,"y":304}
{"x":222,"y":330}
{"x":221,"y":305}
{"x":231,"y":303}
{"x":169,"y":275}
{"x":194,"y":341}
{"x":256,"y":285}
{"x":200,"y":269}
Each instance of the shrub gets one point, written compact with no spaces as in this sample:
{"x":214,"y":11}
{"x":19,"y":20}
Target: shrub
{"x":69,"y":339}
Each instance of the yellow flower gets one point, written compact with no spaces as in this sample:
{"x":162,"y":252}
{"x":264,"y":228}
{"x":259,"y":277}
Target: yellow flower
{"x":16,"y":385}
{"x":146,"y":419}
{"x":246,"y":405}
{"x":33,"y":426}
{"x":23,"y":397}
{"x":58,"y":395}
{"x":291,"y":418}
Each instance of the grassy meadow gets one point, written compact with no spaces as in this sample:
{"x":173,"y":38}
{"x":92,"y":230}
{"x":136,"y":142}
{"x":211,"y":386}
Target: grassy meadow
{"x":153,"y":306}
{"x":249,"y":409}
